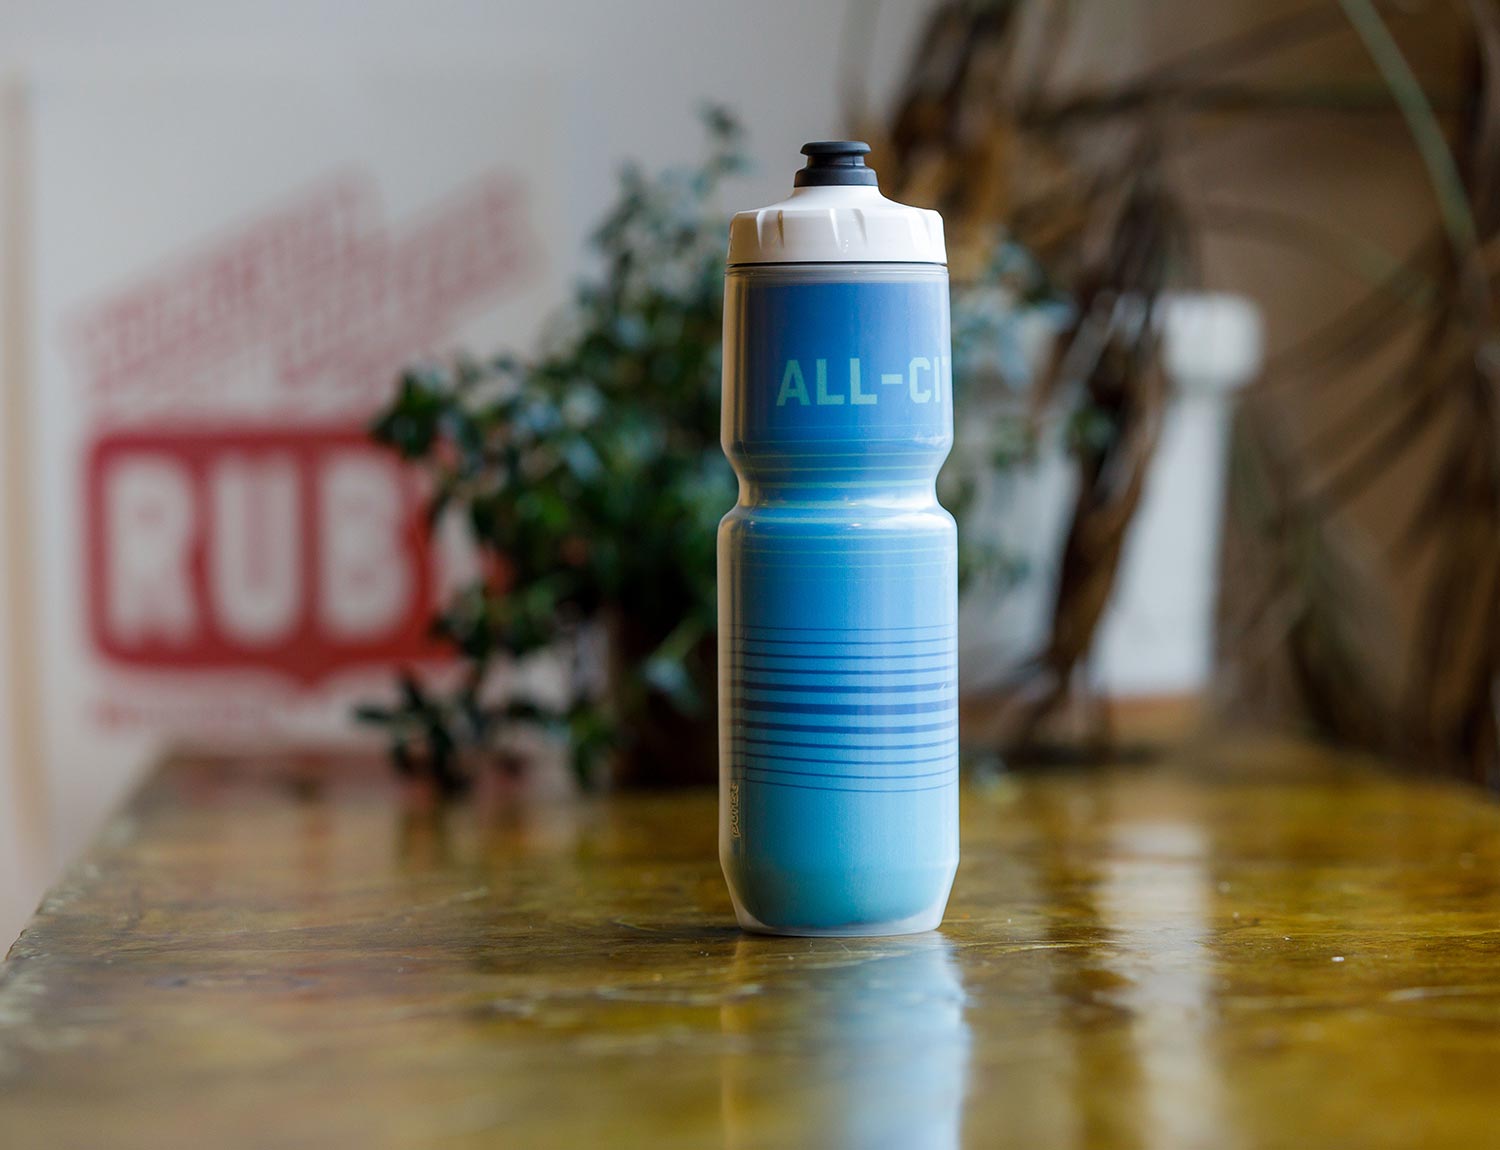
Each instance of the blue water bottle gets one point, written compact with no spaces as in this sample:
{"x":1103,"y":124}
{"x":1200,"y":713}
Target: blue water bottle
{"x":838,"y":594}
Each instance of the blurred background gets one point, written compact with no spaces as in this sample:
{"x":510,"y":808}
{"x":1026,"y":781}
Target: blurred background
{"x":1228,"y":452}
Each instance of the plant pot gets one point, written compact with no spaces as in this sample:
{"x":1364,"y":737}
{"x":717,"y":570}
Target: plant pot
{"x":1156,"y":636}
{"x":663,"y":747}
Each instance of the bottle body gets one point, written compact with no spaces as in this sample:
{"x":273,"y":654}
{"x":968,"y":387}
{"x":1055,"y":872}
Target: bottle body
{"x":838,"y":678}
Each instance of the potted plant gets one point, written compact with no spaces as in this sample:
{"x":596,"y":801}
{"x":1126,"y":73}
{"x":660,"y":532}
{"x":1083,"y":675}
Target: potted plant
{"x":592,"y":481}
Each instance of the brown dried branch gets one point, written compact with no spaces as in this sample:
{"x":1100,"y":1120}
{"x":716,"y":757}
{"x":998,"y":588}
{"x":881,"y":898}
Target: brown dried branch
{"x":982,"y":132}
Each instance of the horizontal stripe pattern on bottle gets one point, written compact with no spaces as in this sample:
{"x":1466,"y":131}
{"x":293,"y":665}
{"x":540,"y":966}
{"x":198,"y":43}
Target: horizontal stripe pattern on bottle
{"x":860,"y":710}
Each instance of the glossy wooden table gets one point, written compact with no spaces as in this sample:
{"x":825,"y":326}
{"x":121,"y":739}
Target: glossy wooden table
{"x":1244,"y":948}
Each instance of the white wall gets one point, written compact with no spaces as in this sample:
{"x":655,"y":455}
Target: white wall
{"x":628,"y":77}
{"x":634,"y":71}
{"x":23,"y":841}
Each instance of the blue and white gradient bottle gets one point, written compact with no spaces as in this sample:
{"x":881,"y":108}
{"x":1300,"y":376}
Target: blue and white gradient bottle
{"x":838,"y":596}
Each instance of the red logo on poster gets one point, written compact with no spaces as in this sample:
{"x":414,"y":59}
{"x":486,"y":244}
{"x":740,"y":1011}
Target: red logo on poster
{"x":237,"y":516}
{"x":297,"y":551}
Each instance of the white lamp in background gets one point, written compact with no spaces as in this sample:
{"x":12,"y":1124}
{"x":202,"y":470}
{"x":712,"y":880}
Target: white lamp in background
{"x":1157,"y":636}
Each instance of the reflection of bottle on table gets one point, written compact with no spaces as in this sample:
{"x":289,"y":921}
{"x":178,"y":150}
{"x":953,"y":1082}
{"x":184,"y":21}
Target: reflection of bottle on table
{"x":846,"y":1050}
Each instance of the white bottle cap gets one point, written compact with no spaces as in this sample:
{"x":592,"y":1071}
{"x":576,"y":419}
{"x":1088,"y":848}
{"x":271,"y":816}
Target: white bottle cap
{"x":836,"y":214}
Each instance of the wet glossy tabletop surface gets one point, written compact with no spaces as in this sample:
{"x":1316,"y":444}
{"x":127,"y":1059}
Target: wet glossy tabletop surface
{"x":1248,"y":947}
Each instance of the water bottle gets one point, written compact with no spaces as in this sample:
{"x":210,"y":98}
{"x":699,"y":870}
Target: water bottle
{"x":838,"y":596}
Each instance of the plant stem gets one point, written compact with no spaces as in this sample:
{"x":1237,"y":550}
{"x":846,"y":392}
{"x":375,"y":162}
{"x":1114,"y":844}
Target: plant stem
{"x":1432,"y":144}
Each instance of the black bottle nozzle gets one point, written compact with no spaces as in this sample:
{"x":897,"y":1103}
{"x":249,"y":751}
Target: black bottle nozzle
{"x":835,"y":163}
